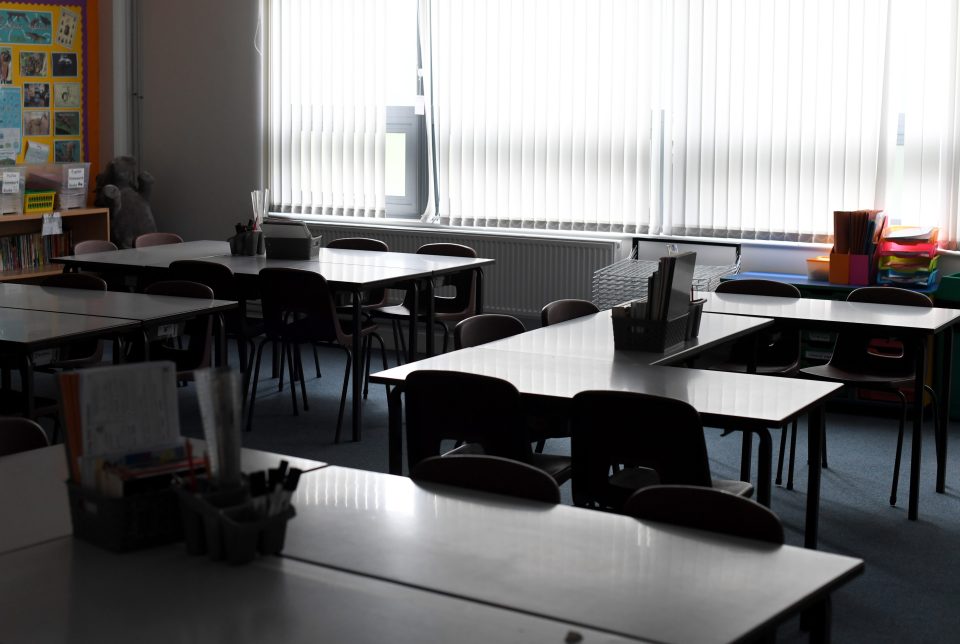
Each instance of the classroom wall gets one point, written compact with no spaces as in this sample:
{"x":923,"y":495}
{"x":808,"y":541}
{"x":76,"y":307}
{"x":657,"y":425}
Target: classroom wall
{"x":200,"y":113}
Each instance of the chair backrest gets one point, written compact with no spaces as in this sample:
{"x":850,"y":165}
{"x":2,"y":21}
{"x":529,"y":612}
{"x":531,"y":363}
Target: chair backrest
{"x":157,"y":239}
{"x":708,"y":509}
{"x":218,"y":277}
{"x":492,"y":474}
{"x":75,"y":280}
{"x":20,"y":435}
{"x":93,"y":246}
{"x":483,"y":328}
{"x":450,"y":405}
{"x":759,"y":287}
{"x":615,"y":428}
{"x":200,"y":330}
{"x":563,"y":310}
{"x":359,"y":243}
{"x":881,"y":354}
{"x":373,"y":297}
{"x":775,"y":347}
{"x":287,"y":292}
{"x":464,"y":300}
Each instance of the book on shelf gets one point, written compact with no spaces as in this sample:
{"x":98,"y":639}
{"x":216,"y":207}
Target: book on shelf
{"x":32,"y":250}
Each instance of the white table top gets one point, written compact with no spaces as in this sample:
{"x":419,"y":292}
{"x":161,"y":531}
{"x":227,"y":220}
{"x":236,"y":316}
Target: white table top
{"x":362,"y":275}
{"x":591,"y":337}
{"x":36,"y":329}
{"x":151,"y":256}
{"x":109,"y":304}
{"x":70,"y":591}
{"x":816,"y":312}
{"x":591,"y":568}
{"x":761,"y":399}
{"x":436,"y":264}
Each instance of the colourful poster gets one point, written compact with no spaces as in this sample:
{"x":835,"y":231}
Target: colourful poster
{"x":26,"y":27}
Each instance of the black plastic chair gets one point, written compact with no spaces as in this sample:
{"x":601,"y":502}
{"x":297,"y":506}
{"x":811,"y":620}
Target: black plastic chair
{"x":82,"y":353}
{"x":447,"y":308}
{"x":197,"y":353}
{"x":773,"y":352}
{"x":157,"y":239}
{"x":645,"y":440}
{"x":298,"y":309}
{"x":489,"y":474}
{"x":19,"y":435}
{"x":563,"y":310}
{"x":93,"y":246}
{"x":483,"y":328}
{"x":225,"y":286}
{"x":484,"y":413}
{"x":702,"y":508}
{"x":880,"y":362}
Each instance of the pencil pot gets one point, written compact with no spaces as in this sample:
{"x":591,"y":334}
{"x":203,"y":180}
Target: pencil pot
{"x":213,"y":504}
{"x":247,"y":532}
{"x":126,"y":523}
{"x":694,"y":313}
{"x":648,"y":335}
{"x":247,"y":243}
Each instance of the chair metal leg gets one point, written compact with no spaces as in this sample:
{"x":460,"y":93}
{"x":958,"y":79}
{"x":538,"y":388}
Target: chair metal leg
{"x":538,"y":448}
{"x":316,"y":360}
{"x":396,"y":342}
{"x":303,"y":379}
{"x":383,"y":359}
{"x":897,"y":457}
{"x":366,"y":372}
{"x":343,"y":395}
{"x":283,"y":362}
{"x":256,"y":377}
{"x":939,"y":433}
{"x":291,"y":366}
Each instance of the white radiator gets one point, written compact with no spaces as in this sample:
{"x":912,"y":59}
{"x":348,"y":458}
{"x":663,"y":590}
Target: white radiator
{"x":529,"y":271}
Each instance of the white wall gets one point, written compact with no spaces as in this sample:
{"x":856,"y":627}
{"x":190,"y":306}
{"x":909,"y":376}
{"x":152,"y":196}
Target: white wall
{"x":200,"y":134}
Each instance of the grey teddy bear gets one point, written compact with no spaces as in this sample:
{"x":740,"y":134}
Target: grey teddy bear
{"x":126,"y":194}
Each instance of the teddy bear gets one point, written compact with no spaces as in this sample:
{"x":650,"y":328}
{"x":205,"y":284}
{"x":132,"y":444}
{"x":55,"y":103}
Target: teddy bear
{"x":125,"y":192}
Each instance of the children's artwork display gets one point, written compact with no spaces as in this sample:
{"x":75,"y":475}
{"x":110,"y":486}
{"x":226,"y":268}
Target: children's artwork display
{"x":43,"y":60}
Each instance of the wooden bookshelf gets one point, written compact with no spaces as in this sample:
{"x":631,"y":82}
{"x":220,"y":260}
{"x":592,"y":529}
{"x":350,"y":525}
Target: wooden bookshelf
{"x":83,"y":223}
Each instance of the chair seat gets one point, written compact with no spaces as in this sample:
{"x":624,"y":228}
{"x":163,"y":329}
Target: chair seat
{"x":401,"y":312}
{"x":736,"y":488}
{"x":836,"y":374}
{"x":555,"y":465}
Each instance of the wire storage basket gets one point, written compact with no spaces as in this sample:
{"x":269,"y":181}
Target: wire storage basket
{"x":627,"y":279}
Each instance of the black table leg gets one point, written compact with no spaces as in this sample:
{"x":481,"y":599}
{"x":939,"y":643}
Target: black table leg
{"x":395,"y":431}
{"x":479,"y":303}
{"x":357,"y":357}
{"x":412,"y":349}
{"x":913,"y":510}
{"x":944,"y":407}
{"x":764,"y":466}
{"x":815,"y":422}
{"x":431,"y":316}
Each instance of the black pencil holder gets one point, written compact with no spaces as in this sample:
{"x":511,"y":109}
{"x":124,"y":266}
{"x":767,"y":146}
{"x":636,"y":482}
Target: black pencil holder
{"x":125,"y":523}
{"x":648,"y":335}
{"x":694,"y":313}
{"x":246,"y":532}
{"x":247,"y":243}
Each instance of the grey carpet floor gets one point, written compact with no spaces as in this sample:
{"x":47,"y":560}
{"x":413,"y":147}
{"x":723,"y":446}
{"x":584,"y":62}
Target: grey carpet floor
{"x":910,"y":591}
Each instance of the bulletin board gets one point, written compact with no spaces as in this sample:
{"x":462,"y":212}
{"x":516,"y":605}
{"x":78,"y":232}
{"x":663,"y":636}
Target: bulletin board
{"x":44,"y":89}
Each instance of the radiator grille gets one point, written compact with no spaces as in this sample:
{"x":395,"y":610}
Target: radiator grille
{"x":529,"y":272}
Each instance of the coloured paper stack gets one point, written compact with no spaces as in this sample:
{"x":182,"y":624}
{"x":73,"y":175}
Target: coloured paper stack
{"x":908,"y":257}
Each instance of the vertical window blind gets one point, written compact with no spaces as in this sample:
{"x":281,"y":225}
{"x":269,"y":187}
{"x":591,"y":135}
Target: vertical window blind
{"x":326,"y":106}
{"x":739,"y":118}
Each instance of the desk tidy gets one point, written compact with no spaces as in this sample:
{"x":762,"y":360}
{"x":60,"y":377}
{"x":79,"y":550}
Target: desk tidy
{"x":855,"y":239}
{"x":668,"y":316}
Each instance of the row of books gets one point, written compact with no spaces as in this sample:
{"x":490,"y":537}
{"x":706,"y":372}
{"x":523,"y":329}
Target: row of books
{"x":32,"y":250}
{"x":908,"y":257}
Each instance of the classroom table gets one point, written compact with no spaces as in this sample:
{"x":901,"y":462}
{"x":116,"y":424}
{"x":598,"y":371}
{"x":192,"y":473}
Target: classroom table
{"x":591,"y":336}
{"x":158,"y":314}
{"x":372,"y":557}
{"x":595,"y":569}
{"x":33,"y":337}
{"x":912,"y":322}
{"x":745,"y":402}
{"x":353,"y":271}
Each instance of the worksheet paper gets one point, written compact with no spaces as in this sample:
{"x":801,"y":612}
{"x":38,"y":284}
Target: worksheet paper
{"x":127,"y":408}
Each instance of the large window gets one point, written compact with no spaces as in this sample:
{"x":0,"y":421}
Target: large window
{"x":729,"y":118}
